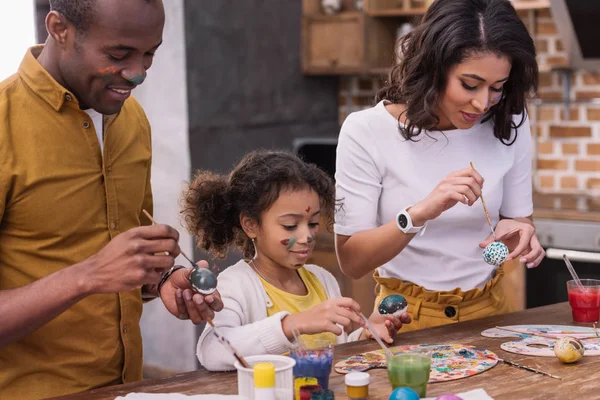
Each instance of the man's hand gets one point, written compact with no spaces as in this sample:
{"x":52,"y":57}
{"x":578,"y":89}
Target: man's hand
{"x":130,"y":260}
{"x":183,"y":302}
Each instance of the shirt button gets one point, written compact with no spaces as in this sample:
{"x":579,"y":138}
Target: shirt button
{"x":124,"y":328}
{"x":450,"y":312}
{"x":68,"y":97}
{"x":86,"y":124}
{"x":114,"y":225}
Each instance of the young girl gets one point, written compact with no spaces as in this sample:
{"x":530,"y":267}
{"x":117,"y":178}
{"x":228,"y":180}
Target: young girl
{"x":269,"y":207}
{"x":458,"y":95}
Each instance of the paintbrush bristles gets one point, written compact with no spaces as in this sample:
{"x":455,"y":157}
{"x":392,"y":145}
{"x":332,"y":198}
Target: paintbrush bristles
{"x":487,"y":214}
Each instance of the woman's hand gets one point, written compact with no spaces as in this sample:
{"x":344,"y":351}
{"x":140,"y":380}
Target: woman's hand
{"x":387,"y":326}
{"x":324,"y":317}
{"x":462,"y":186}
{"x":521,"y":240}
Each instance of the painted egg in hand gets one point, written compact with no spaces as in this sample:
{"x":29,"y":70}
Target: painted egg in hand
{"x":568,"y":350}
{"x":495,"y":253}
{"x":203,"y":281}
{"x":393,"y":304}
{"x":404,"y":393}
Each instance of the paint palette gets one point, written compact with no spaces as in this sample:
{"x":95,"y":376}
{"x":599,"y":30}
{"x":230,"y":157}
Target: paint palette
{"x":541,"y":346}
{"x":448,"y":362}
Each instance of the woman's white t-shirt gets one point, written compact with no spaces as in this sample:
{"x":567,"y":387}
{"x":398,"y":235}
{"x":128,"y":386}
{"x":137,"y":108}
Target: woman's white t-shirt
{"x":378,"y":173}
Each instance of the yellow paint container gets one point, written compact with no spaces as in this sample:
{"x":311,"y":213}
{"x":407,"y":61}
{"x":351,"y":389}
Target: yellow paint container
{"x":357,"y":385}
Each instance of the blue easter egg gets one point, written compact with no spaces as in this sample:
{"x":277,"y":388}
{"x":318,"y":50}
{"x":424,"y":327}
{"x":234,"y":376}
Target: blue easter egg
{"x":404,"y":393}
{"x":203,"y":281}
{"x":393,"y":304}
{"x":495,"y":253}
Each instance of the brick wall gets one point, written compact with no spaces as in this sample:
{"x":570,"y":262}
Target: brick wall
{"x":567,"y":145}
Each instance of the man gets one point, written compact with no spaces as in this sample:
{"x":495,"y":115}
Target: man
{"x":75,"y":155}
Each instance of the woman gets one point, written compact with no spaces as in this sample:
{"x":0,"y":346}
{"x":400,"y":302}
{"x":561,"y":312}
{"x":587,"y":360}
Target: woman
{"x":457,"y":96}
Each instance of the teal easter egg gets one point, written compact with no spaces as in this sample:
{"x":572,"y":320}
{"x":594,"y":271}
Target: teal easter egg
{"x":495,"y":253}
{"x":393,"y":304}
{"x":404,"y":393}
{"x":203,"y":281}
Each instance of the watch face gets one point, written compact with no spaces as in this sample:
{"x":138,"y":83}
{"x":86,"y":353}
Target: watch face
{"x":403,"y":221}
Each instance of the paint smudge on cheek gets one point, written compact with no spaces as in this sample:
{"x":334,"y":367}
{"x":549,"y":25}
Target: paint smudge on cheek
{"x":312,"y":237}
{"x":495,"y":100}
{"x":108,"y":73}
{"x":289,"y":242}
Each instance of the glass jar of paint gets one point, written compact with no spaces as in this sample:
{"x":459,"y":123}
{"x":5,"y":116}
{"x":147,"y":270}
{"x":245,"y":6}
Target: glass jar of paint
{"x":357,"y":385}
{"x":324,"y":394}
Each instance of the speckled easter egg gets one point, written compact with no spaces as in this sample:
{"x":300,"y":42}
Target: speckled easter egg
{"x":393,"y":304}
{"x":448,"y":397}
{"x":203,"y":281}
{"x":495,"y":253}
{"x":568,"y":350}
{"x":404,"y":393}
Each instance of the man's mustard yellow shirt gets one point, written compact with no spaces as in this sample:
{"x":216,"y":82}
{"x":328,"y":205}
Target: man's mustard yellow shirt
{"x":61,"y":201}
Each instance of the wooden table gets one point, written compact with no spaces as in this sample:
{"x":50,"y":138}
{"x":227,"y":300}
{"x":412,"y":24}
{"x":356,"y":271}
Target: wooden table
{"x":501,"y":382}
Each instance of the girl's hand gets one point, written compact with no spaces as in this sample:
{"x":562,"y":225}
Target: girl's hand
{"x":462,"y":186}
{"x":521,"y":240}
{"x":387,"y":326}
{"x":324,"y":317}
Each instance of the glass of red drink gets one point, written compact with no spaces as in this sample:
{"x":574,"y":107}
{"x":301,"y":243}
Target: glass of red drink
{"x":585,"y":303}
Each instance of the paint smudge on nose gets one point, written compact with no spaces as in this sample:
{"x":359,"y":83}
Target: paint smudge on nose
{"x":136,"y":79}
{"x":289,"y":242}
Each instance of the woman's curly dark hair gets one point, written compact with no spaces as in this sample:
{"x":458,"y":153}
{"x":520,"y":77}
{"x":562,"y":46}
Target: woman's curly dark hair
{"x":213,"y":203}
{"x":450,"y":32}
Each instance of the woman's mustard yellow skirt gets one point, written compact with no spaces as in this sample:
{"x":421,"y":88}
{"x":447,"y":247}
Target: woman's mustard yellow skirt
{"x":430,"y":308}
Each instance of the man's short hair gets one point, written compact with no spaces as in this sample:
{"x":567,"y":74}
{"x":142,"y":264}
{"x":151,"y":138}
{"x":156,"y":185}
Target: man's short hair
{"x":79,"y":12}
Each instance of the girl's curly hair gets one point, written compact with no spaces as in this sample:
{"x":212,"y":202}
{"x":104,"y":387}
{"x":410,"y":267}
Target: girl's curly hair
{"x":213,"y":203}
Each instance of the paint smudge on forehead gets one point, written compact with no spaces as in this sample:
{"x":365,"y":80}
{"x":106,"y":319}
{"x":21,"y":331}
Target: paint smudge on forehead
{"x":308,"y":210}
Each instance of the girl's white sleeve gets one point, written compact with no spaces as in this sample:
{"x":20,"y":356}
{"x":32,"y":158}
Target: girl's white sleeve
{"x":248,"y":338}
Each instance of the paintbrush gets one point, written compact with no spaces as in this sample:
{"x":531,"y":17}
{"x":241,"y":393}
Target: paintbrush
{"x":545,"y":335}
{"x":180,"y":251}
{"x":376,"y":336}
{"x":514,"y":364}
{"x":487,"y":214}
{"x":227,"y":344}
